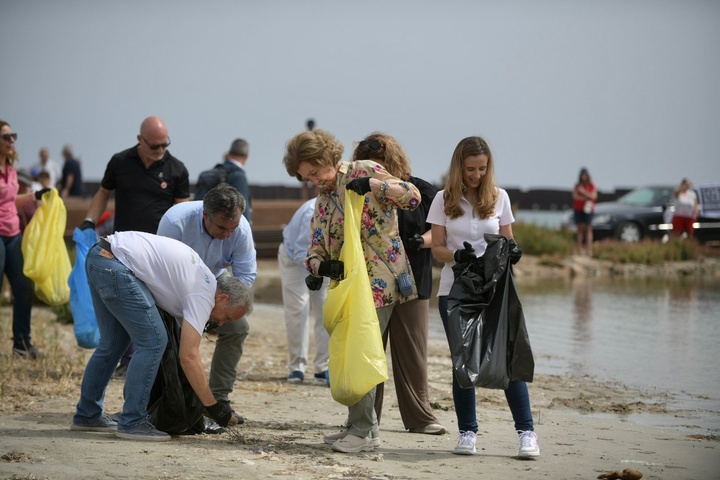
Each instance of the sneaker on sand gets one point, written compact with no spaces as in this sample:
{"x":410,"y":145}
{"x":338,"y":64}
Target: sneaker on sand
{"x":322,"y":377}
{"x":353,"y":443}
{"x":466,"y":444}
{"x":432,"y":429}
{"x":528,"y":444}
{"x":143,"y":432}
{"x":26,"y":351}
{"x":101,"y":424}
{"x":331,"y":438}
{"x":296,"y":377}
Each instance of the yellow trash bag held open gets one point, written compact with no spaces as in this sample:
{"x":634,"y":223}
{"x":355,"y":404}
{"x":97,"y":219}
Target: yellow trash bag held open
{"x":357,"y":358}
{"x":46,"y":258}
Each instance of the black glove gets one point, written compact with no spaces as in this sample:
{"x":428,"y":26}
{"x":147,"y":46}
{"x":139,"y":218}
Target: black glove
{"x":39,"y":193}
{"x":415,"y":243}
{"x":220,"y":412}
{"x":515,"y":252}
{"x":334,"y":269}
{"x":87,"y":224}
{"x":466,"y":255}
{"x":361,"y":186}
{"x":313,"y":283}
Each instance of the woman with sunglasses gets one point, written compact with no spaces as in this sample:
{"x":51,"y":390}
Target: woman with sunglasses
{"x":408,"y":326}
{"x":470,"y":206}
{"x":315,"y":156}
{"x":11,"y":257}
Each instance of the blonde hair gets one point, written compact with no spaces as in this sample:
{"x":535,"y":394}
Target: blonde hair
{"x":318,"y":147}
{"x":390,"y":153}
{"x":487,"y":192}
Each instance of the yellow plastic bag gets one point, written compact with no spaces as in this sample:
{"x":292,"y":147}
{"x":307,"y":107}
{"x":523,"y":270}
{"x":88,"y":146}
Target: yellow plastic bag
{"x":46,"y":258}
{"x":357,"y":358}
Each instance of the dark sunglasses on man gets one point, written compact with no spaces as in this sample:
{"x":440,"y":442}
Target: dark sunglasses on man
{"x":156,"y":146}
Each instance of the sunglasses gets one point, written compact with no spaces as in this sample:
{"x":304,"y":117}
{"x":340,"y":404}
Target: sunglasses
{"x":157,"y":146}
{"x":9,"y":136}
{"x":373,"y":145}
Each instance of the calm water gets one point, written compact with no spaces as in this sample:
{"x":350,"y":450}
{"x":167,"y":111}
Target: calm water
{"x":657,"y":335}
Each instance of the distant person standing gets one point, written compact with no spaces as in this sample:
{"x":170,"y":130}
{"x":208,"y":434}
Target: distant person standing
{"x":584,"y":196}
{"x":687,"y":208}
{"x":299,"y":301}
{"x":231,"y":171}
{"x":47,"y":164}
{"x":71,"y":183}
{"x":147,"y":181}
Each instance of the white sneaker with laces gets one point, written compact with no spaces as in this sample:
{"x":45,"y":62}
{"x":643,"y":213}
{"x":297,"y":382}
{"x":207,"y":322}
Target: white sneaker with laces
{"x":353,"y":443}
{"x":466,"y":443}
{"x":528,"y":444}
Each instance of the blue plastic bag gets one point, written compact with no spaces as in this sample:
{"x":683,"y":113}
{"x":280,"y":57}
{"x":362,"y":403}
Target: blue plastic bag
{"x":87,"y":333}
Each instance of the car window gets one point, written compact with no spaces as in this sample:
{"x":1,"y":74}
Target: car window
{"x":647,"y":196}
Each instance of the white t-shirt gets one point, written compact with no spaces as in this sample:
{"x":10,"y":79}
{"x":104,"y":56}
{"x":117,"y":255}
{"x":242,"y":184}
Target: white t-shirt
{"x":685,"y":204}
{"x":174,"y":273}
{"x":467,"y":228}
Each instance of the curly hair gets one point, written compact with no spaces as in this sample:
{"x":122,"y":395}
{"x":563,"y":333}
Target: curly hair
{"x":487,"y":192}
{"x":381,"y":147}
{"x":318,"y":147}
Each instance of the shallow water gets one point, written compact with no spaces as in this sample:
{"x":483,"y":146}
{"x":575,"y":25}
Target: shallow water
{"x":653,"y":334}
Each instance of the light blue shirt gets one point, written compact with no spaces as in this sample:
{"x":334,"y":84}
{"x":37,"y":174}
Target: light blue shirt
{"x":184,"y":222}
{"x":297,"y":233}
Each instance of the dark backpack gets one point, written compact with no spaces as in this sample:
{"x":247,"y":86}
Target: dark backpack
{"x":209,"y":179}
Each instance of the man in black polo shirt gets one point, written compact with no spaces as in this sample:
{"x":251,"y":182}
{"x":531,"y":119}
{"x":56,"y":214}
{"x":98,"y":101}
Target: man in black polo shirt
{"x":147,"y":180}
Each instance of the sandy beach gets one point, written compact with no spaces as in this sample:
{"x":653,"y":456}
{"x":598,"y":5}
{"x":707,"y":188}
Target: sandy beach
{"x":582,"y":424}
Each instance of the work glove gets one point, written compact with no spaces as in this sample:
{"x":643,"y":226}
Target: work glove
{"x":515,"y":252}
{"x":313,"y":283}
{"x":87,"y":224}
{"x":361,"y":186}
{"x":334,"y":269}
{"x":39,"y":193}
{"x":465,"y":255}
{"x":220,"y":412}
{"x":415,"y":243}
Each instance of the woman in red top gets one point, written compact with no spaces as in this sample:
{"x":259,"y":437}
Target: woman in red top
{"x":584,"y":196}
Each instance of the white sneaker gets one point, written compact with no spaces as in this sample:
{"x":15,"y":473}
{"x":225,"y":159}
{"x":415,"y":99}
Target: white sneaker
{"x":528,"y":444}
{"x":353,"y":443}
{"x":331,"y":438}
{"x":466,"y":443}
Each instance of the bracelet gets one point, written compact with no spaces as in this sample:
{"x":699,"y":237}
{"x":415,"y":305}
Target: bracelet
{"x":88,"y":219}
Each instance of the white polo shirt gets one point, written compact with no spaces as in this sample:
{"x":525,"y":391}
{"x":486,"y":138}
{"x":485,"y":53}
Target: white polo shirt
{"x":174,"y":273}
{"x":467,"y":228}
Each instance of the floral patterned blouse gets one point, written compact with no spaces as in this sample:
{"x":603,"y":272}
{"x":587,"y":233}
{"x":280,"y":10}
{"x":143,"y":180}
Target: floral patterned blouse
{"x":379,"y":227}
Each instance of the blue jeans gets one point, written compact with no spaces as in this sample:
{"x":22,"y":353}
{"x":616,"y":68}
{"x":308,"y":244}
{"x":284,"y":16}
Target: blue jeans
{"x":125,"y":311}
{"x":517,"y":394}
{"x":11,"y":263}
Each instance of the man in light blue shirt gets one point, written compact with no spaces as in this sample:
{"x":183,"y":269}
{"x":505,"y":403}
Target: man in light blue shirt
{"x":217,"y":230}
{"x":298,"y":299}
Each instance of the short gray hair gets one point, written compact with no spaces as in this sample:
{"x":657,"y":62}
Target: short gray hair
{"x":239,"y":148}
{"x":240,"y":295}
{"x":224,"y":199}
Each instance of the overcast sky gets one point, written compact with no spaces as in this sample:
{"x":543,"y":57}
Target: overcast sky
{"x":628,"y":89}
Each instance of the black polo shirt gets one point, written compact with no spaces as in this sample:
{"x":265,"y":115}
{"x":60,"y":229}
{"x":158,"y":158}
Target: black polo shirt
{"x":143,"y":195}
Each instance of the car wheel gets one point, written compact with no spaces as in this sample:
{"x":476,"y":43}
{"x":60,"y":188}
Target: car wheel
{"x":629,"y":232}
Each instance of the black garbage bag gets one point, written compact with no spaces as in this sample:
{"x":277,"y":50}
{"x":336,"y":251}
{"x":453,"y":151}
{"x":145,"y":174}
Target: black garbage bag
{"x":174,"y":407}
{"x":489,"y":344}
